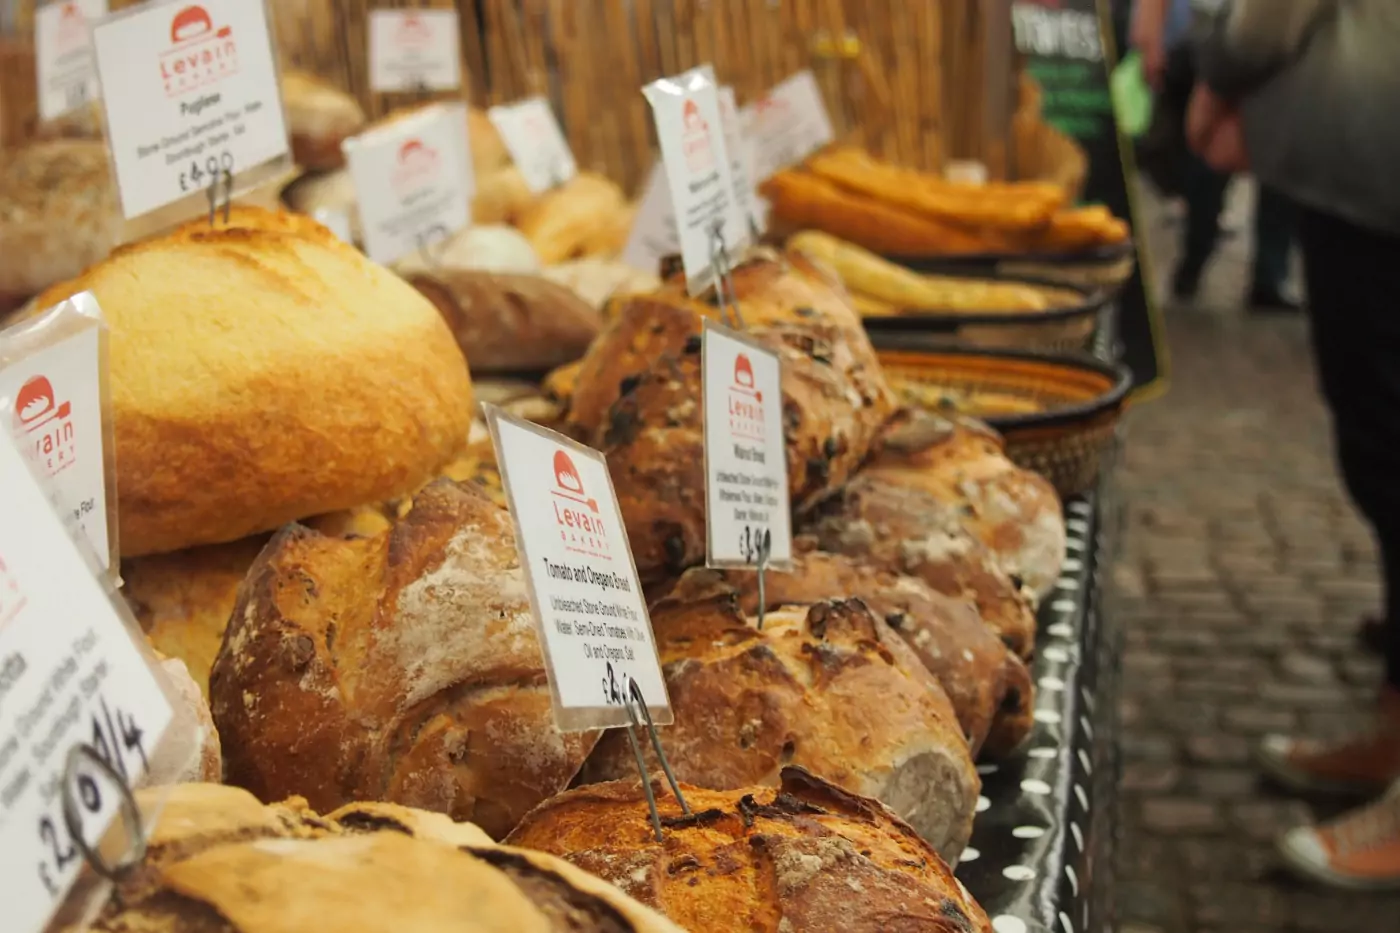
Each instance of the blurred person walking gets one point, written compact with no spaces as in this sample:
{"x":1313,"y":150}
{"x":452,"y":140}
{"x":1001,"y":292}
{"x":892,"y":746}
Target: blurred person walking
{"x":1307,"y":92}
{"x":1162,"y":32}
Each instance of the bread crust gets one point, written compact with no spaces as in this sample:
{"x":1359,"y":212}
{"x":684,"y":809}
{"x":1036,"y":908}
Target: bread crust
{"x":264,"y":372}
{"x":827,"y":687}
{"x":799,"y":858}
{"x":320,"y":117}
{"x":402,"y":667}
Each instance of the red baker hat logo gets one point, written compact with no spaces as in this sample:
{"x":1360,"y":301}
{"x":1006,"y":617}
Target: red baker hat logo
{"x":71,"y":11}
{"x":690,"y":114}
{"x":35,"y":402}
{"x":569,"y":482}
{"x":743,"y":371}
{"x":190,"y":23}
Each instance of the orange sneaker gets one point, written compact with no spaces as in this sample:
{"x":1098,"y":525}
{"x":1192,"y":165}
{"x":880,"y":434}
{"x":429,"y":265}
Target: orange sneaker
{"x":1363,"y":765}
{"x":1359,"y":851}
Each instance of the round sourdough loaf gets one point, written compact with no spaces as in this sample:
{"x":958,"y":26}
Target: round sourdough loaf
{"x":805,"y":857}
{"x":827,"y":687}
{"x":220,"y":862}
{"x":264,"y":371}
{"x":402,"y":667}
{"x":58,"y":215}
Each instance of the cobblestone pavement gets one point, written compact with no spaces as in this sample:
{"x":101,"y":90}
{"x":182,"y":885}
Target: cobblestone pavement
{"x":1240,"y":579}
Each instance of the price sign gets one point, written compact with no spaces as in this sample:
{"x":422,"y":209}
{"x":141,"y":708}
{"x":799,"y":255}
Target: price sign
{"x":69,"y":674}
{"x":653,"y":235}
{"x":691,"y":132}
{"x":746,"y":479}
{"x":190,"y":92}
{"x":535,"y":141}
{"x":413,"y":179}
{"x":736,"y":142}
{"x":583,"y":584}
{"x":414,"y":50}
{"x":51,"y":370}
{"x":787,"y":124}
{"x":63,"y":55}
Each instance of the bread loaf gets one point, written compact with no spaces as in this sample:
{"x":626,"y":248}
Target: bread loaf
{"x":805,"y":857}
{"x":320,"y":117}
{"x":828,"y":687}
{"x":565,"y":222}
{"x":909,"y":531}
{"x":219,"y":862}
{"x":189,"y":751}
{"x":265,"y":372}
{"x":402,"y":667}
{"x":478,"y":248}
{"x":58,"y":215}
{"x":597,"y":280}
{"x":1015,"y":513}
{"x":988,"y":686}
{"x":510,"y":323}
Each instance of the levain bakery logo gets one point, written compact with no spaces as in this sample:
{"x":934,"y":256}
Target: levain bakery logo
{"x":695,"y":140}
{"x":47,"y":426}
{"x":11,"y":599}
{"x":745,"y":402}
{"x":416,"y":167}
{"x":72,"y":31}
{"x":200,"y":52}
{"x":577,"y":514}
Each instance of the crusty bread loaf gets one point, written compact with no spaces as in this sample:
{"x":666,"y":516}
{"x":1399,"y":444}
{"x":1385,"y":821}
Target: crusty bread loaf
{"x":568,"y":221}
{"x":401,"y":667}
{"x":1012,"y":511}
{"x":58,"y":215}
{"x":989,"y":687}
{"x":510,"y":323}
{"x":638,"y":389}
{"x":501,"y":197}
{"x":909,"y":531}
{"x":220,"y":862}
{"x":806,"y":857}
{"x":320,"y":117}
{"x":265,"y":372}
{"x":828,"y":687}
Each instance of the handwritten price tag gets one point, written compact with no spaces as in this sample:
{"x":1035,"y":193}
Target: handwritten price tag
{"x":69,"y":674}
{"x":536,"y":143}
{"x":189,"y":92}
{"x":583,"y":583}
{"x":63,"y":55}
{"x":746,"y":482}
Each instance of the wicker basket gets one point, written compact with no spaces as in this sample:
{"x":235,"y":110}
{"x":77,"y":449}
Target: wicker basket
{"x":1056,"y":330}
{"x":1082,"y":399}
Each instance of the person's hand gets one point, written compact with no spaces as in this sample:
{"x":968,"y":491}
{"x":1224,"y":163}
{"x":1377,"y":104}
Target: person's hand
{"x":1214,"y":131}
{"x":1148,"y":35}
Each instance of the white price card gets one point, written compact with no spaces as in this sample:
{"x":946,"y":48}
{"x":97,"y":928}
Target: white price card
{"x":67,"y":78}
{"x":691,"y":133}
{"x":69,"y":674}
{"x":536,"y":143}
{"x":414,"y":50}
{"x":740,"y":150}
{"x":51,"y":384}
{"x":787,"y":124}
{"x":190,"y":91}
{"x":746,"y":478}
{"x":583,"y":584}
{"x":653,"y":236}
{"x":413,"y":180}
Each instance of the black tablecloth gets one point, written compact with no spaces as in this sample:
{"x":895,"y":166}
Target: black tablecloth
{"x":1040,"y":859}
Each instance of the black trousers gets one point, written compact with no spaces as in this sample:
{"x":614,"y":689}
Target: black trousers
{"x":1353,"y":279}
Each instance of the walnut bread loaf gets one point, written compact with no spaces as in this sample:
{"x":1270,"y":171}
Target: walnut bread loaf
{"x":827,"y":687}
{"x":263,"y":372}
{"x":401,"y":667}
{"x":803,"y":857}
{"x":220,"y":862}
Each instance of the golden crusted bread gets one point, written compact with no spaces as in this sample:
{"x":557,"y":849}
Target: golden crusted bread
{"x":58,"y":215}
{"x":907,"y":530}
{"x":1015,"y":513}
{"x":571,"y":220}
{"x":805,"y":857}
{"x":265,"y":372}
{"x":989,"y":687}
{"x":828,"y":687}
{"x":320,"y":117}
{"x":637,"y":397}
{"x":220,"y":862}
{"x":510,"y":323}
{"x":402,"y":667}
{"x":501,"y":195}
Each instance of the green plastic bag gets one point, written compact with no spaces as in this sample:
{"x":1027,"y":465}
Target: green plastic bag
{"x":1132,"y":97}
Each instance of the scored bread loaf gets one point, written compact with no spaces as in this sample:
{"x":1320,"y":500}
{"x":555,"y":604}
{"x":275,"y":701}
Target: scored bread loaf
{"x":402,"y":667}
{"x":828,"y":687}
{"x":263,"y":372}
{"x":988,"y":686}
{"x":220,"y":862}
{"x":320,"y":117}
{"x":1015,"y":513}
{"x":803,"y":857}
{"x":58,"y":215}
